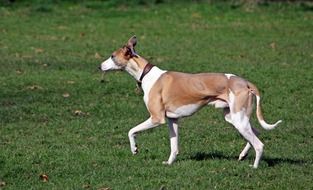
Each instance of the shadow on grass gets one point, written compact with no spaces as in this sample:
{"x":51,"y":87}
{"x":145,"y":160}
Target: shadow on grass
{"x":199,"y":156}
{"x":276,"y":161}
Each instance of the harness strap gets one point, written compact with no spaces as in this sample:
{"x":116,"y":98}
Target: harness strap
{"x":145,"y":71}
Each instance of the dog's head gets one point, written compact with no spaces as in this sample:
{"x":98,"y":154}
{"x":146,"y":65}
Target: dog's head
{"x":120,"y":58}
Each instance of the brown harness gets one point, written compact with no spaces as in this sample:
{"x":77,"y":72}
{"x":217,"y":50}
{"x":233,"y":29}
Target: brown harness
{"x":145,"y":71}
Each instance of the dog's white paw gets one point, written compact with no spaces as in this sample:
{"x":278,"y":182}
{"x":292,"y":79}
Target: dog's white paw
{"x":165,"y":163}
{"x":241,"y":157}
{"x":134,"y":150}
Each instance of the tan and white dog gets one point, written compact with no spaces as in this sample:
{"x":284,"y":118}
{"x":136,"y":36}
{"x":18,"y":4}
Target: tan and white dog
{"x":173,"y":95}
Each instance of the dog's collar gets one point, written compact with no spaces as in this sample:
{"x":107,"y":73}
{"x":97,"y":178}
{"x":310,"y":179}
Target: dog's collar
{"x":145,"y":71}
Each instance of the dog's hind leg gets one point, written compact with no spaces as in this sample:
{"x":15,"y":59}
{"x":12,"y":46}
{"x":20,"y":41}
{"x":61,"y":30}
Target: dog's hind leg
{"x":227,"y":115}
{"x":244,"y":152}
{"x":239,"y":117}
{"x":246,"y":149}
{"x":173,"y":130}
{"x":245,"y":130}
{"x":148,"y":124}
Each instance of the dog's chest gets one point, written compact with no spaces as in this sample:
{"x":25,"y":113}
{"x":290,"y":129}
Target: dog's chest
{"x":149,"y":80}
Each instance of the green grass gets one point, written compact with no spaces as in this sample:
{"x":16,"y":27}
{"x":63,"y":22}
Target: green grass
{"x":49,"y":50}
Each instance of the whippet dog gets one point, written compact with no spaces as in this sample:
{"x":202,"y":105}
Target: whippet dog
{"x":173,"y":95}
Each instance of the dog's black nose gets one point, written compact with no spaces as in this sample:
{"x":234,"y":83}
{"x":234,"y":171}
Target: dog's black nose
{"x":99,"y":68}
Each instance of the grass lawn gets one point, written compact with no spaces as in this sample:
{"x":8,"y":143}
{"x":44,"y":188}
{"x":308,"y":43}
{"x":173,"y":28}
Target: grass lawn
{"x":58,"y":120}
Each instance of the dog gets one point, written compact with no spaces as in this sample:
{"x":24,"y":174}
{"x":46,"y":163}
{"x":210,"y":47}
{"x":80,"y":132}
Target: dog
{"x":172,"y":95}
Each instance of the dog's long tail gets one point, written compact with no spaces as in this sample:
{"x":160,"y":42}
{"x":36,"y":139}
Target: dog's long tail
{"x":259,"y":114}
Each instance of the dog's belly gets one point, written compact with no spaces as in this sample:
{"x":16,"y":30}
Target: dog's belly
{"x":219,"y":104}
{"x":183,"y":111}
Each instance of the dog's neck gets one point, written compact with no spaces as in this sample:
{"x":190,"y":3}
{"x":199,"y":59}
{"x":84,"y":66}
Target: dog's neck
{"x":135,"y":67}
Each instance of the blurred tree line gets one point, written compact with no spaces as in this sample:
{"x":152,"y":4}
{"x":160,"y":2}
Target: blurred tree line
{"x":164,"y":1}
{"x":246,"y":3}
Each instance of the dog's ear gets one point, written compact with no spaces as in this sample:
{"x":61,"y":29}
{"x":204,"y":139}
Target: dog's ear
{"x":129,"y":52}
{"x":132,"y":42}
{"x":130,"y":45}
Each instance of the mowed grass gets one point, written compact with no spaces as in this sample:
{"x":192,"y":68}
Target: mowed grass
{"x":58,"y":120}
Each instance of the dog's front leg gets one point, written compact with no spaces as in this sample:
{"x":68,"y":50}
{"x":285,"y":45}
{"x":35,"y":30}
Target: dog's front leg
{"x":141,"y":127}
{"x":173,"y":130}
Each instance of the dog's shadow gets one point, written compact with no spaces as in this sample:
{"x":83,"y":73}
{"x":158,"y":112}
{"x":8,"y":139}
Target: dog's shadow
{"x":271,"y":161}
{"x":199,"y":156}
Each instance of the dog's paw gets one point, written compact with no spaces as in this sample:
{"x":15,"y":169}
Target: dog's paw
{"x":135,"y":150}
{"x":165,"y":163}
{"x":253,"y":166}
{"x":242,"y":157}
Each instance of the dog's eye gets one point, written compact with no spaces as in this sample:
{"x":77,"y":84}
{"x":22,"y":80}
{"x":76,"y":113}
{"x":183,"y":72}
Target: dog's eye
{"x":113,"y":58}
